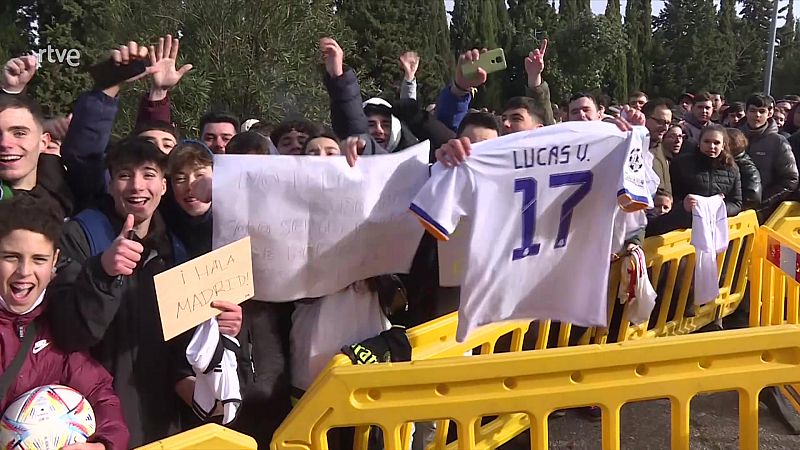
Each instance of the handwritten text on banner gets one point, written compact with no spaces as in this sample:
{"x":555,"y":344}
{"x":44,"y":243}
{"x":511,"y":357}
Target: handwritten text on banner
{"x":318,"y":225}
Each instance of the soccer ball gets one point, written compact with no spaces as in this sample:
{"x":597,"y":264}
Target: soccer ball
{"x":47,"y":417}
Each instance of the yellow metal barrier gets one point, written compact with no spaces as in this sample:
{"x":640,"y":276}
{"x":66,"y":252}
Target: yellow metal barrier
{"x":207,"y":437}
{"x":534,"y":384}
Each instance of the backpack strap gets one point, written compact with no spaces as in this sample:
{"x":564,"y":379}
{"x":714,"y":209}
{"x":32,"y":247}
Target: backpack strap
{"x":97,"y":228}
{"x":100,"y":234}
{"x":19,"y":359}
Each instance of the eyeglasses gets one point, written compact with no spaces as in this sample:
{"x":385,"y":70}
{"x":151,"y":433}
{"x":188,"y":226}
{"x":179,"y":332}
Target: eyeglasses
{"x":662,"y":122}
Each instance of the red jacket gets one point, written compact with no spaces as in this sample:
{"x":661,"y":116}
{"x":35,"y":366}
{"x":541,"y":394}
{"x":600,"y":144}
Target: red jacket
{"x":47,"y":364}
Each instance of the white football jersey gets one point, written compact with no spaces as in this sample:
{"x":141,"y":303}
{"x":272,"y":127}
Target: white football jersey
{"x":541,"y":206}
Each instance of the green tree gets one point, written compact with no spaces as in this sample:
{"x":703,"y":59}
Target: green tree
{"x":383,"y":31}
{"x":569,"y":10}
{"x":786,"y":33}
{"x":753,"y":36}
{"x":785,"y":80}
{"x":638,"y":31}
{"x":691,"y":59}
{"x":617,"y":76}
{"x":257,"y":62}
{"x":531,"y":21}
{"x":729,"y":45}
{"x":82,"y":25}
{"x":587,"y":47}
{"x":12,"y":35}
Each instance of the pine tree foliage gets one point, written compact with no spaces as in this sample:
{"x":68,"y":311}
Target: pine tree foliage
{"x":382,"y":31}
{"x":617,"y":76}
{"x":638,"y":30}
{"x":532,"y":22}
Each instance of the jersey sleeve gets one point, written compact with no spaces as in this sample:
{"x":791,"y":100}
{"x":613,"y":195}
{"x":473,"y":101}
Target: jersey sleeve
{"x":634,"y":191}
{"x":444,"y":199}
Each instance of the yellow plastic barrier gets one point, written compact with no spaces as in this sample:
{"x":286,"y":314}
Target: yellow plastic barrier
{"x":775,"y":280}
{"x":786,"y":220}
{"x":671,"y":263}
{"x":531,"y":385}
{"x":670,"y":260}
{"x":207,"y":437}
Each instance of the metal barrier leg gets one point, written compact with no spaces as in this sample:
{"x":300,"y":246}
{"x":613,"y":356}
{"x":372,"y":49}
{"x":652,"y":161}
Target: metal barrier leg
{"x":680,"y":422}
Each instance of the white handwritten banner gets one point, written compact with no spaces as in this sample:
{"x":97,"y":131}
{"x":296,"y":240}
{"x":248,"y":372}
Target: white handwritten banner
{"x":185,"y":292}
{"x":316,"y":224}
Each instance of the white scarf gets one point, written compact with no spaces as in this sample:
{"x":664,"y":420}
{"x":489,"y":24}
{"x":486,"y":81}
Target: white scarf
{"x":38,"y":302}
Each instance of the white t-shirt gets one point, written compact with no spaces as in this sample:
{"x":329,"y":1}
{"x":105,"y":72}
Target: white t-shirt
{"x":709,"y":237}
{"x":541,"y":206}
{"x":321,"y":327}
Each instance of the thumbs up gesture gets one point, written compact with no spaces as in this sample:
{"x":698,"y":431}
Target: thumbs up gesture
{"x":123,"y":254}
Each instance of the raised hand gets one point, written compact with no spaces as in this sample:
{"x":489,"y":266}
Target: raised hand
{"x":123,"y":254}
{"x":164,"y":58}
{"x":632,"y":115}
{"x":333,"y":55}
{"x":127,"y":54}
{"x":534,"y":65}
{"x":17,"y":73}
{"x":409,"y":62}
{"x":480,"y":77}
{"x":58,"y":126}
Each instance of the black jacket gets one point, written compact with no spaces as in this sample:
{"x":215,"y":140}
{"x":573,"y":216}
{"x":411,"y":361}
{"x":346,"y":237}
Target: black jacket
{"x":51,"y":185}
{"x":794,"y":141}
{"x":775,"y":161}
{"x":121,"y":326}
{"x":347,"y":109}
{"x":694,"y":174}
{"x":751,"y":181}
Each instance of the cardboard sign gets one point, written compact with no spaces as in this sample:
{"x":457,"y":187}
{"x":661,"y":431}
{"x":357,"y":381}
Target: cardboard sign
{"x":185,"y":292}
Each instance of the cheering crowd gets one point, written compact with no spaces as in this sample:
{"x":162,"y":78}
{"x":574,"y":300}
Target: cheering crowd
{"x":87,"y":221}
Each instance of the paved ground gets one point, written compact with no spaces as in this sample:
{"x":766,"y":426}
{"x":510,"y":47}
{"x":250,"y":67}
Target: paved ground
{"x":646,"y":425}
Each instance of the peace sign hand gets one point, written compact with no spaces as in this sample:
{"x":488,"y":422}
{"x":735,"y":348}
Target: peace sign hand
{"x":534,"y":65}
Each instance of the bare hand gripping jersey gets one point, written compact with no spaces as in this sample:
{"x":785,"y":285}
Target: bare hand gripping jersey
{"x":541,"y":205}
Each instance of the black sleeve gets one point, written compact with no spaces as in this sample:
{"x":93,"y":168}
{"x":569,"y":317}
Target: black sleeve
{"x":786,"y":179}
{"x":84,"y":147}
{"x":51,"y":176}
{"x":751,"y":185}
{"x":347,"y":113}
{"x":679,"y":188}
{"x":733,"y":198}
{"x":82,"y":299}
{"x":422,"y":124}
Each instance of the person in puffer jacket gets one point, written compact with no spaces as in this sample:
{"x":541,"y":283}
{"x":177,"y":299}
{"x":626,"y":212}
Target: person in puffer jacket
{"x":771,"y":153}
{"x":710,"y":170}
{"x":751,"y":179}
{"x":29,"y":230}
